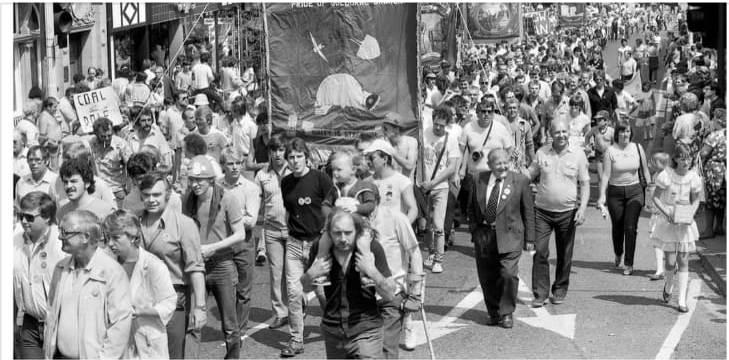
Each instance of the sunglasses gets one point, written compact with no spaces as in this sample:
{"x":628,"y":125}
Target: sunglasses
{"x":27,"y":217}
{"x":486,"y":111}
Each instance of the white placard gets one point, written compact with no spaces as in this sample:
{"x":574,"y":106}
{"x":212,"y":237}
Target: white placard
{"x":96,"y":104}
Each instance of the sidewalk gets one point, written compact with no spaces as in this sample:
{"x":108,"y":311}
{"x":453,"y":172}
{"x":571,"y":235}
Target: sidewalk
{"x":713,"y":257}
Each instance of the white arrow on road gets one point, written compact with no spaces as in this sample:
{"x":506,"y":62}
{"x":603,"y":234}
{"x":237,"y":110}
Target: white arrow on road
{"x":563,"y":324}
{"x":447,"y":324}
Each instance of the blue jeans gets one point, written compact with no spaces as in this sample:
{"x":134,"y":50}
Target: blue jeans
{"x":221,"y":280}
{"x":297,"y":257}
{"x":392,"y":322}
{"x":365,"y":345}
{"x":244,"y":260}
{"x":563,"y":225}
{"x":276,"y":253}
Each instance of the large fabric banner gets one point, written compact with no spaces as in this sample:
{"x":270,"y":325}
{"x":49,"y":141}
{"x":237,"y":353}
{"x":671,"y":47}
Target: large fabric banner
{"x":572,"y":14}
{"x":490,"y":21}
{"x":336,"y":70}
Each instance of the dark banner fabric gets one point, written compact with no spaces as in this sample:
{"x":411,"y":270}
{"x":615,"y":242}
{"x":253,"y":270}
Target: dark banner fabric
{"x":336,"y":70}
{"x":572,"y":15}
{"x":489,"y":21}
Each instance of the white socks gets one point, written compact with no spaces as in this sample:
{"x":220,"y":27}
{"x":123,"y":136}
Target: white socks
{"x":659,"y":260}
{"x":683,"y":277}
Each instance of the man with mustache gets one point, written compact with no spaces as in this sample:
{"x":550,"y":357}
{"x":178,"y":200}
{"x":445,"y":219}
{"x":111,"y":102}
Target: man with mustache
{"x":40,"y":178}
{"x":145,"y":133}
{"x":77,"y":176}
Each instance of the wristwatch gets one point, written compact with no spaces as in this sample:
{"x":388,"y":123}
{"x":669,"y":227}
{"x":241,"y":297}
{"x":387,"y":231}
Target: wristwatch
{"x":201,"y":307}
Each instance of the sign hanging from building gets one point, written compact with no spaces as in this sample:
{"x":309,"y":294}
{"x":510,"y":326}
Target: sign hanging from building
{"x":96,"y":104}
{"x":336,"y":70}
{"x":128,"y":14}
{"x":490,"y":21}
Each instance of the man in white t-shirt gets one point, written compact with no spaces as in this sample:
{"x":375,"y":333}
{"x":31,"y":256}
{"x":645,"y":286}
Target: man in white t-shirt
{"x":480,"y":137}
{"x":202,"y":78}
{"x":441,"y":155}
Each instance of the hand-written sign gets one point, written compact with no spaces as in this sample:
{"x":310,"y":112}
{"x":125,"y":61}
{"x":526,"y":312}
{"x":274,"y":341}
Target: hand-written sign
{"x":96,"y":104}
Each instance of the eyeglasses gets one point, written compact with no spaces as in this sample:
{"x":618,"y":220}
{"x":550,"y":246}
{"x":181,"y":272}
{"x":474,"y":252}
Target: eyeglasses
{"x":65,"y":235}
{"x":27,"y":217}
{"x":486,"y":111}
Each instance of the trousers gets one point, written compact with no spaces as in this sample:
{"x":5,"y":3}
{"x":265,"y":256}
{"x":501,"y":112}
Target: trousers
{"x":624,"y":204}
{"x":498,"y":273}
{"x":563,"y":225}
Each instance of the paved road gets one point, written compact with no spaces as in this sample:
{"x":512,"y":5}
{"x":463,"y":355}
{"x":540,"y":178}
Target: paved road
{"x":606,"y":315}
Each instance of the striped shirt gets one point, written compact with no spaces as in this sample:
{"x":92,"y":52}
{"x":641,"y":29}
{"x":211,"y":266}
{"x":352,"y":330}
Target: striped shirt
{"x":274,"y":213}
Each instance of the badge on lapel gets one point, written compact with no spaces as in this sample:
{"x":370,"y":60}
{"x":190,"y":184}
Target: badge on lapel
{"x":506,"y":193}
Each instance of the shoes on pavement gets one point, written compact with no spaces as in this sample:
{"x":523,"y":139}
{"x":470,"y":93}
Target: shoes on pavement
{"x":278,"y":322}
{"x":437,"y":268}
{"x":618,"y":260}
{"x":666,"y":294}
{"x":558,"y":299}
{"x":507,"y":321}
{"x":682,"y":308}
{"x":628,"y":271}
{"x":493,"y":320}
{"x":655,"y":277}
{"x":261,"y":257}
{"x":428,"y":262}
{"x":292,"y":349}
{"x":537,"y":303}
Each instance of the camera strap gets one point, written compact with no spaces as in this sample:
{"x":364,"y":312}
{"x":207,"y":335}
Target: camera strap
{"x":440,"y":157}
{"x":488,"y":134}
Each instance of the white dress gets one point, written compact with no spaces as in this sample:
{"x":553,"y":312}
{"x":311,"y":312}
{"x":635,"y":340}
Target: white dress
{"x":676,"y":188}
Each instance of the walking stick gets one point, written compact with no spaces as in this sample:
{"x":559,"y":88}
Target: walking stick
{"x":425,"y":322}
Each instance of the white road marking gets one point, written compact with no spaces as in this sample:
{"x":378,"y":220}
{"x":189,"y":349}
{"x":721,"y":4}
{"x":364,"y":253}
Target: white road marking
{"x":264,"y":325}
{"x":446,"y":324}
{"x":669,"y":345}
{"x":563,"y":324}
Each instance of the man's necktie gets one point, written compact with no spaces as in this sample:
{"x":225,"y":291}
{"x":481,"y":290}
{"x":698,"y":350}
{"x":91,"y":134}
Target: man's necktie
{"x":490,"y":215}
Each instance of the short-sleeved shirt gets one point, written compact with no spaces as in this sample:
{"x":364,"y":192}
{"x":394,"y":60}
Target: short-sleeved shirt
{"x":350,"y":307}
{"x":391,"y":189}
{"x":559,"y":177}
{"x":100,"y":208}
{"x":432,"y":147}
{"x":625,"y":165}
{"x":274,"y":212}
{"x":216,"y":142}
{"x":473,"y":137}
{"x":154,"y":138}
{"x":110,"y":161}
{"x":26,"y":184}
{"x":305,"y":198}
{"x":176,"y":241}
{"x":678,"y":188}
{"x":202,"y":75}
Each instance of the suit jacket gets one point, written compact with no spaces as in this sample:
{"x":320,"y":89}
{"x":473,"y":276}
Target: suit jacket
{"x":514,"y":214}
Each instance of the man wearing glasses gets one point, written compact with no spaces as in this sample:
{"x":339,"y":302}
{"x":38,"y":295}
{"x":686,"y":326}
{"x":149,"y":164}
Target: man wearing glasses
{"x":90,"y":315}
{"x":36,"y":252}
{"x":480,"y":137}
{"x":40,"y":178}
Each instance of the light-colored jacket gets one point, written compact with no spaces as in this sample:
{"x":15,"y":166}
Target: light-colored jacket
{"x":105,"y":319}
{"x":151,"y":287}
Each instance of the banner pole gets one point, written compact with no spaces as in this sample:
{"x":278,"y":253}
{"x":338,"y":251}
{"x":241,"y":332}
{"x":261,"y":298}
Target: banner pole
{"x":268,"y":70}
{"x":421,"y":101}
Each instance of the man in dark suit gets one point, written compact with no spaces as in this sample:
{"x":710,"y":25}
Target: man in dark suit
{"x":501,"y":210}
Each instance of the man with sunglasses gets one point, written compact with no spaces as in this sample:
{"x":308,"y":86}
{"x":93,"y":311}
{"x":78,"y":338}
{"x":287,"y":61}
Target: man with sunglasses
{"x":36,"y":252}
{"x":90,"y":315}
{"x":40,"y":178}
